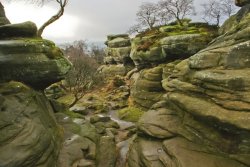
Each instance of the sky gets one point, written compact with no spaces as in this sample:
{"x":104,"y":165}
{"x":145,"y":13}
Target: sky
{"x":89,"y":20}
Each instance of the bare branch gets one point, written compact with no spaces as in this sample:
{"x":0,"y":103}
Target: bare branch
{"x":177,"y":9}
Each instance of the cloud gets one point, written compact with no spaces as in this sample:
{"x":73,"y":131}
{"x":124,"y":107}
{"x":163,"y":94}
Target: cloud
{"x":83,"y":19}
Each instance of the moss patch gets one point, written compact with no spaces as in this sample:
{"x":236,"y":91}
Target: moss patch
{"x":72,"y":114}
{"x":131,"y":114}
{"x":150,"y":38}
{"x":67,"y":100}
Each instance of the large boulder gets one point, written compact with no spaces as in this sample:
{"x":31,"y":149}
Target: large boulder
{"x":35,"y":62}
{"x":118,"y":55}
{"x":203,"y":119}
{"x":146,"y":88}
{"x":113,"y":70}
{"x":26,"y":29}
{"x":170,"y":43}
{"x":29,"y":134}
{"x":118,"y":49}
{"x":182,"y":46}
{"x":106,"y":152}
{"x":80,"y":139}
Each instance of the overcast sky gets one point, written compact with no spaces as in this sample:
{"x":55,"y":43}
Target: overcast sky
{"x":83,"y":19}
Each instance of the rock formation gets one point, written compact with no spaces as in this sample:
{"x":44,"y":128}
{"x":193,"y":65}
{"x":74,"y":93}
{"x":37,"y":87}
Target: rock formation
{"x":203,"y":118}
{"x":30,"y":134}
{"x":117,"y":58}
{"x":170,"y":43}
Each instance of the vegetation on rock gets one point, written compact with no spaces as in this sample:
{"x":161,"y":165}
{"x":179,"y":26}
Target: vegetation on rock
{"x":131,"y":114}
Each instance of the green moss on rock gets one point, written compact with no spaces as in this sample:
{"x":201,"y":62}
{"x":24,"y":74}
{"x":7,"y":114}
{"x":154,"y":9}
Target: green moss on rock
{"x":131,"y":114}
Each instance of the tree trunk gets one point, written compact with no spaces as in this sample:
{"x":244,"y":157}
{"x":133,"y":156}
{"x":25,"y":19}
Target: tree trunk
{"x":53,"y":18}
{"x":179,"y":21}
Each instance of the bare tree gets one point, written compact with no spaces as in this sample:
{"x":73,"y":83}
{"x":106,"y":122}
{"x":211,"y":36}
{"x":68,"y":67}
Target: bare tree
{"x":147,"y":15}
{"x":97,"y":53}
{"x":164,"y":17}
{"x":62,"y":5}
{"x":212,"y":11}
{"x":83,"y":76}
{"x":137,"y":28}
{"x":177,"y":9}
{"x":228,"y":7}
{"x":216,"y":10}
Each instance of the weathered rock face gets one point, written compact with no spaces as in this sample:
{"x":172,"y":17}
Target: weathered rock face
{"x":182,"y":46}
{"x":170,"y":43}
{"x":118,"y":49}
{"x":35,"y":62}
{"x":117,"y":58}
{"x":203,"y":119}
{"x":26,"y":29}
{"x":29,"y":134}
{"x":146,"y":88}
{"x":112,"y":70}
{"x":79,"y":146}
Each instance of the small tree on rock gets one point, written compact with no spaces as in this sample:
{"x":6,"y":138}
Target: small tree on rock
{"x":216,"y":10}
{"x":228,"y":7}
{"x":177,"y":9}
{"x":62,"y":4}
{"x":147,"y":15}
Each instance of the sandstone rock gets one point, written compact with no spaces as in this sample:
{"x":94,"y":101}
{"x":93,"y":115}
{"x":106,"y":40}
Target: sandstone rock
{"x":146,"y":87}
{"x":118,"y":50}
{"x":79,"y":141}
{"x":203,"y":119}
{"x":146,"y":153}
{"x":183,"y":46}
{"x":171,"y":43}
{"x":106,"y":152}
{"x":111,"y":37}
{"x":119,"y":42}
{"x":29,"y":133}
{"x":55,"y":91}
{"x":119,"y":55}
{"x":36,"y":62}
{"x":113,"y":70}
{"x":109,"y":60}
{"x":26,"y":29}
{"x":143,"y":58}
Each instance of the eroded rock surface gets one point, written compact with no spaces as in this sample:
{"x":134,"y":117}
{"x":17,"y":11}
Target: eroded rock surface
{"x":35,"y":62}
{"x":117,"y":58}
{"x":30,"y":136}
{"x":170,"y":43}
{"x":203,"y":119}
{"x":146,"y":88}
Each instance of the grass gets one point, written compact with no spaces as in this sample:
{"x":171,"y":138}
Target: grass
{"x":130,"y":114}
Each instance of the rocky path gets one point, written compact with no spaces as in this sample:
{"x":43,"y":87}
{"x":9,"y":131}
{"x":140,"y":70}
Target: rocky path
{"x":123,"y":139}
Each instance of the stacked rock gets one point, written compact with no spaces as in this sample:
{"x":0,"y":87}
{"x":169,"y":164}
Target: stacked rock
{"x":117,"y":58}
{"x":170,"y":43}
{"x":203,"y":119}
{"x":30,"y":135}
